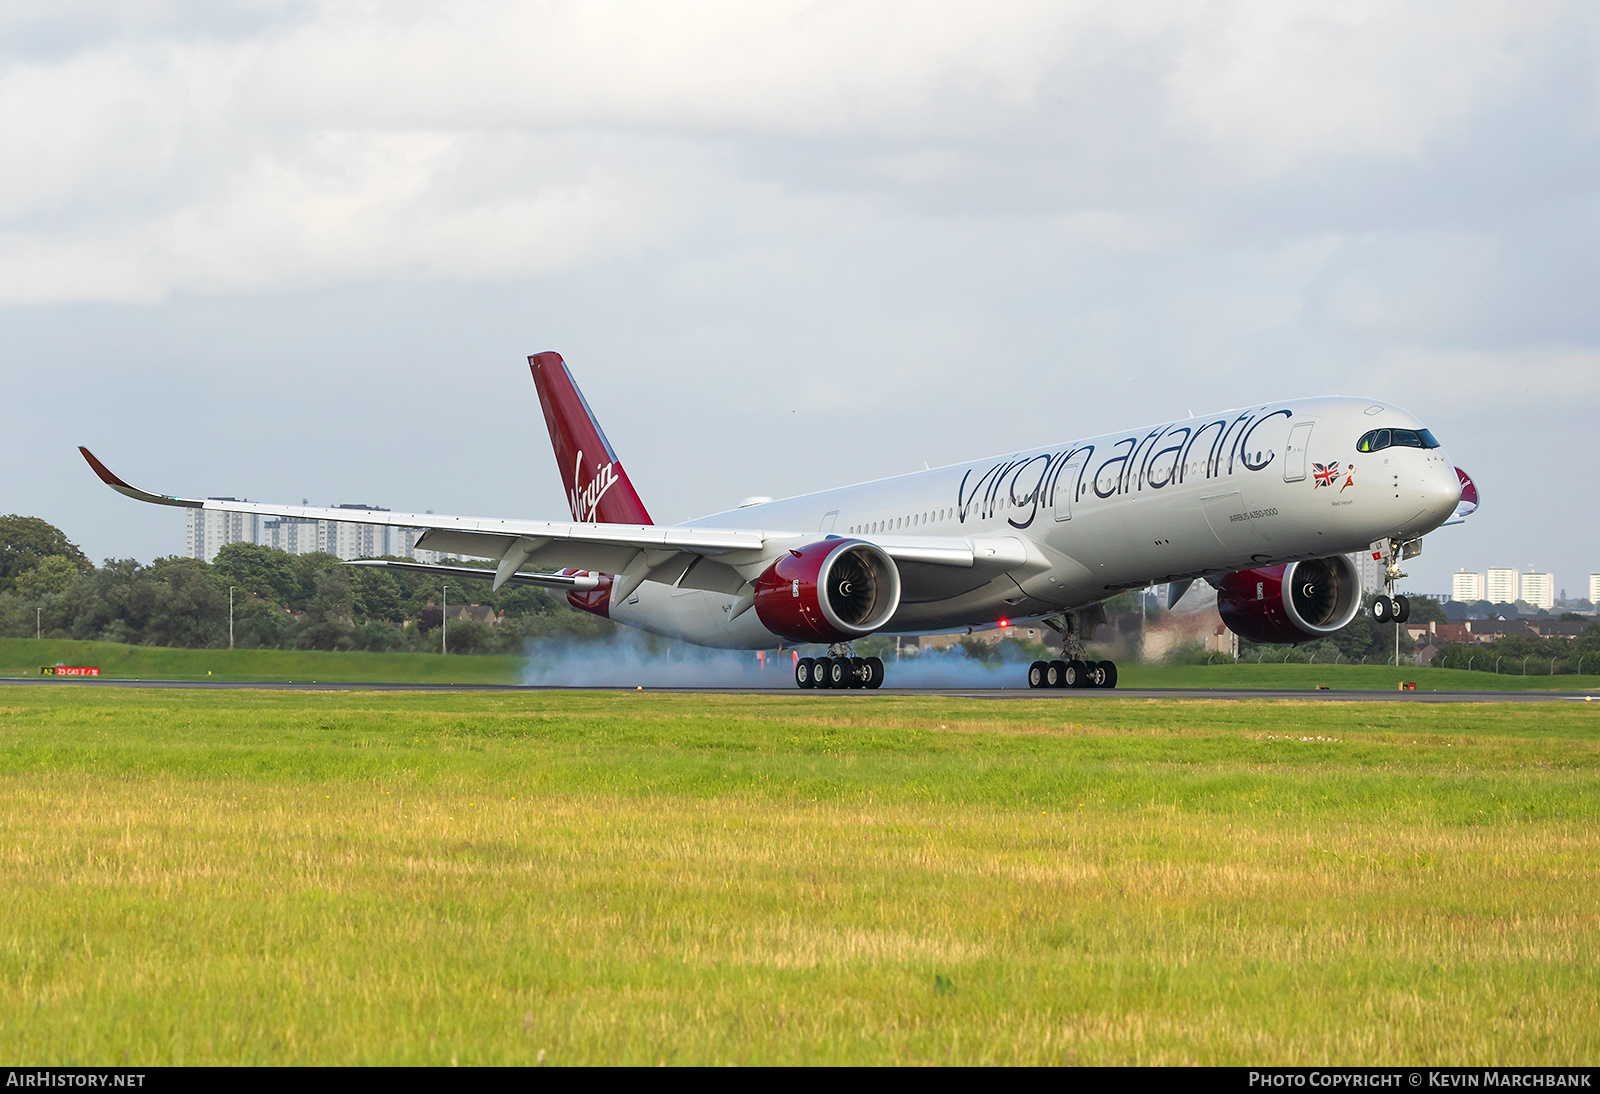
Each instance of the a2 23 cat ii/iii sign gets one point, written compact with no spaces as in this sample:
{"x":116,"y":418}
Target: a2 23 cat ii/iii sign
{"x":69,"y":670}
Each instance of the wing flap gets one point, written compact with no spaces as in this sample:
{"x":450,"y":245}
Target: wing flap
{"x":543,"y":581}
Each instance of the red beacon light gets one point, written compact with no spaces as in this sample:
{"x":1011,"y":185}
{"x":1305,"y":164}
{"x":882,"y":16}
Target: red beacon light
{"x":1005,"y":622}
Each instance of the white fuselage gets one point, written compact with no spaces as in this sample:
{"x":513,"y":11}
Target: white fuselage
{"x":1076,"y":523}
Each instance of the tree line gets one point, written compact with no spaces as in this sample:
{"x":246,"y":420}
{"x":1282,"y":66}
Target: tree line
{"x":280,"y":601}
{"x":284,"y":601}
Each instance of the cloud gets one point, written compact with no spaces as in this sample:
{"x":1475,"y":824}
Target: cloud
{"x":344,"y":144}
{"x":839,"y":239}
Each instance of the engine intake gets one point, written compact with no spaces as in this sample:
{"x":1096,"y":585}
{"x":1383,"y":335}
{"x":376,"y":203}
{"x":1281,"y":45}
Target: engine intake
{"x":831,"y":591}
{"x":1294,"y":603}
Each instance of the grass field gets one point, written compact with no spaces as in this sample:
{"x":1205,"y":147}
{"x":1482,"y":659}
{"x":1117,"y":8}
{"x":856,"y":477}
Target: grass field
{"x":24,"y":656}
{"x":262,"y":877}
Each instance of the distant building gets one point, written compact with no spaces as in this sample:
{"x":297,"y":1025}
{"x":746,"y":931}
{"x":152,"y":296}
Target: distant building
{"x":991,"y":637}
{"x":341,"y":538}
{"x":206,"y":530}
{"x":1224,"y":641}
{"x":1425,"y":653}
{"x":1467,"y":587}
{"x":405,"y":545}
{"x":348,"y":540}
{"x":1539,"y":590}
{"x":297,"y":535}
{"x":1502,"y":586}
{"x":1594,"y":589}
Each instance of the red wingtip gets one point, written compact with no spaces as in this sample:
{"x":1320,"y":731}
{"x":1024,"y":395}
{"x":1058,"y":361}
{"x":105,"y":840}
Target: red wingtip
{"x":101,"y":469}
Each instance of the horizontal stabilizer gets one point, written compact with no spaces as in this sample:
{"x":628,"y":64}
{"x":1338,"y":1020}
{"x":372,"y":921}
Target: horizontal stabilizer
{"x":580,"y":582}
{"x":1469,"y":498}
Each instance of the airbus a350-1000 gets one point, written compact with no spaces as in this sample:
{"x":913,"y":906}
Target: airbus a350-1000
{"x":1266,"y":503}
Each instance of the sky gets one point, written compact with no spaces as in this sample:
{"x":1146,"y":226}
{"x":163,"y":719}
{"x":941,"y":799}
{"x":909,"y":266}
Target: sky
{"x":286,"y":251}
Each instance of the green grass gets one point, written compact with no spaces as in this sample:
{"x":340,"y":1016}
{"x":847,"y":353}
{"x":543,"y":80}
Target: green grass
{"x":24,"y":656}
{"x":1247,"y":674}
{"x":260,"y":877}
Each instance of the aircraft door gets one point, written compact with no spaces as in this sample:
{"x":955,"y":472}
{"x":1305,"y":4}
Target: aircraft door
{"x":1064,"y":489}
{"x":1294,"y":459}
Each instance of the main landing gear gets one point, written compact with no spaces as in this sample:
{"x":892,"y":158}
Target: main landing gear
{"x":1072,"y":674}
{"x":1074,"y":670}
{"x":839,"y":670}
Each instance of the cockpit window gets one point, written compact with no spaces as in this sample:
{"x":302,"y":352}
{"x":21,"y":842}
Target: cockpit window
{"x":1379,"y":439}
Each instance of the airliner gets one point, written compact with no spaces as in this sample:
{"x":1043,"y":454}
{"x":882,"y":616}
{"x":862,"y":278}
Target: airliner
{"x":1266,"y":503}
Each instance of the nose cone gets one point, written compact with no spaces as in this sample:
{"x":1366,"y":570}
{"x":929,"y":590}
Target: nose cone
{"x":1441,"y":490}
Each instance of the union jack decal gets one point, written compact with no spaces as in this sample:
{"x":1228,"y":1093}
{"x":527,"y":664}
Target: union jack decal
{"x":1326,"y":473}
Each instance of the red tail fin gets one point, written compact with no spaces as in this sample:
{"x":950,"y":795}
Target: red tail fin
{"x":597,"y":487}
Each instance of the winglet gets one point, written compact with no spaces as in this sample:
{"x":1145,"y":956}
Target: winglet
{"x":134,"y":492}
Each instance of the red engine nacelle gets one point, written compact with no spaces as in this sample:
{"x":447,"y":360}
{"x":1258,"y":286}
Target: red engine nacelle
{"x":1295,"y":603}
{"x":830,"y":591}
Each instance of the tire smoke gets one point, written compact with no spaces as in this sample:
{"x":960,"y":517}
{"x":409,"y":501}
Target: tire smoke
{"x":631,"y":659}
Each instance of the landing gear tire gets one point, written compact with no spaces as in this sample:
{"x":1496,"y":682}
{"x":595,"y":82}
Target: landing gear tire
{"x":1402,"y":609}
{"x":874,"y":672}
{"x":1055,"y":674}
{"x":1108,"y":677}
{"x":1077,"y":674}
{"x":858,"y":672}
{"x":805,"y":673}
{"x":821,"y":673}
{"x":1097,"y":674}
{"x":838,"y":672}
{"x":1383,"y":610}
{"x":1036,"y":673}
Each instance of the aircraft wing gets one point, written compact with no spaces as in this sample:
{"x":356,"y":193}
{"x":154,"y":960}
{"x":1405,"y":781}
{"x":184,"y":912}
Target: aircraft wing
{"x":604,"y":547}
{"x":632,"y":552}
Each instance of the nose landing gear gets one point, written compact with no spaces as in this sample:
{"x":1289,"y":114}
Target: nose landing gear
{"x":1389,"y":608}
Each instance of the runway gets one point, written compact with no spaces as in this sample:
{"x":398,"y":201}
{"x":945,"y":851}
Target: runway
{"x":1058,"y":695}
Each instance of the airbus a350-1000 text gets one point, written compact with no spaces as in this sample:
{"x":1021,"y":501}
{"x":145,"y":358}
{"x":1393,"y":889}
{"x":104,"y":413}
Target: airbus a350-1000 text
{"x":1266,"y":503}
